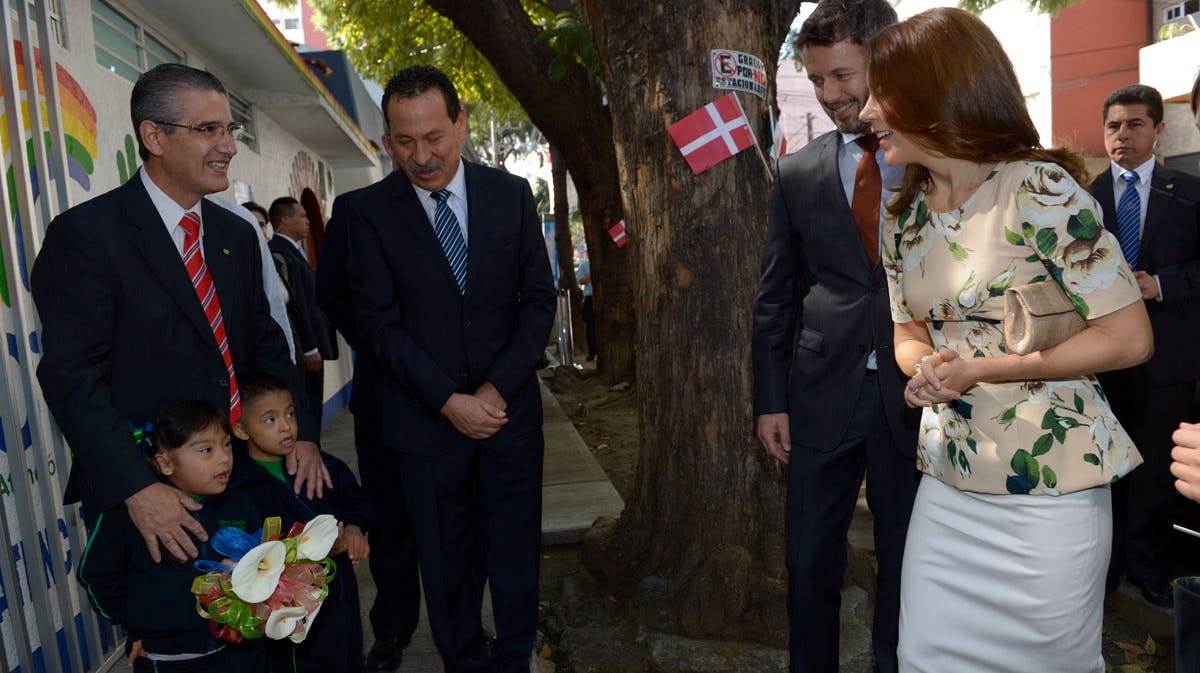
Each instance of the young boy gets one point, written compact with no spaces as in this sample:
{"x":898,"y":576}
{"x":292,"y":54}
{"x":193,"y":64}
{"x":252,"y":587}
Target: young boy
{"x":153,"y":601}
{"x":268,"y":426}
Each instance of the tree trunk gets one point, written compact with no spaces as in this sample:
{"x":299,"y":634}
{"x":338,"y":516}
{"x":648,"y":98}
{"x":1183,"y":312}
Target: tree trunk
{"x":566,"y":247}
{"x":571,"y":114}
{"x":700,"y":544}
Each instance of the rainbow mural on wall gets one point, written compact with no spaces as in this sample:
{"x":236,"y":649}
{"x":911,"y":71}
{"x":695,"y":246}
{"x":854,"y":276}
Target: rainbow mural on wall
{"x":79,"y":136}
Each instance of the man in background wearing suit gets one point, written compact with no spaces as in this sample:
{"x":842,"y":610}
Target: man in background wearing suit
{"x":454,"y":295}
{"x":1155,"y":214}
{"x":393,"y":560}
{"x":171,"y":308}
{"x":827,"y":390}
{"x":317,"y":342}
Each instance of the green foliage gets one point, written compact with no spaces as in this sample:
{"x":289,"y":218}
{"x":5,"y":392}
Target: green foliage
{"x":568,"y":36}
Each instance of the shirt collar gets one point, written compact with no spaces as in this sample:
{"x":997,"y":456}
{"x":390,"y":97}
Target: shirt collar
{"x":289,"y":239}
{"x":457,"y":186}
{"x":1144,"y":172}
{"x":170,"y":211}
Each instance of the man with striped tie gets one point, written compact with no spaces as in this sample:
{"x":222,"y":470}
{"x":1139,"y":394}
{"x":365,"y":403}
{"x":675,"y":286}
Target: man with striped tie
{"x":453,"y":294}
{"x":150,"y":294}
{"x":1155,"y":213}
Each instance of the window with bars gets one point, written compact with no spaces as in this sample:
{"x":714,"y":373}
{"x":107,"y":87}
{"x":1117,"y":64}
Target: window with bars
{"x":54,"y":14}
{"x":243,"y":114}
{"x":123,"y":46}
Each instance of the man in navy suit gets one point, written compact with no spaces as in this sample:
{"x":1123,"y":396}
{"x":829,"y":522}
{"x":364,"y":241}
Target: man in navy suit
{"x":393,"y":559}
{"x":1155,"y":214}
{"x":124,"y":330}
{"x":827,"y":390}
{"x":317,"y":343}
{"x":454,"y":296}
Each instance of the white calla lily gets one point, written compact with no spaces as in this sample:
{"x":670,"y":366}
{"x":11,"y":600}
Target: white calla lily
{"x":282,"y":622}
{"x":257,"y":574}
{"x":317,"y":538}
{"x":299,"y":636}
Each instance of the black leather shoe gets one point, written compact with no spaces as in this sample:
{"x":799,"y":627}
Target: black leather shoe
{"x":386,"y":654}
{"x":1156,"y":592}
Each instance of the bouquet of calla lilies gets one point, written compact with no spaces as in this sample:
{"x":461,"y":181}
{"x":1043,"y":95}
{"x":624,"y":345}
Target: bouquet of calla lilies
{"x":274,"y":587}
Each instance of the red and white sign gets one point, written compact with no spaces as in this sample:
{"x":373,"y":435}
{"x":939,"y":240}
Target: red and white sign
{"x":713,"y":133}
{"x":617,"y":232}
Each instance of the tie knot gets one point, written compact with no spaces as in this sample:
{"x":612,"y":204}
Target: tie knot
{"x":440,"y":195}
{"x":190,"y":223}
{"x":869,"y":143}
{"x":1129,"y":177}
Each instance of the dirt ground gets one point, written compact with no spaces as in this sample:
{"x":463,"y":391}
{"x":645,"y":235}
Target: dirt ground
{"x":1138,"y":638}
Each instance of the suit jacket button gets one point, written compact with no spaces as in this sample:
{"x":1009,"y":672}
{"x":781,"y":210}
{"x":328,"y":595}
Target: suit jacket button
{"x":467,"y":323}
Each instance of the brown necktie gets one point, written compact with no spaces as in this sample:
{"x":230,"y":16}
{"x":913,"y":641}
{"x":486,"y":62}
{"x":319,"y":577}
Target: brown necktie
{"x":868,"y":189}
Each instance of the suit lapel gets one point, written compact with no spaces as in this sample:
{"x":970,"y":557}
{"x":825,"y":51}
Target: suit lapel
{"x":150,"y":239}
{"x":476,"y":223}
{"x":831,"y":182}
{"x":1162,"y":191}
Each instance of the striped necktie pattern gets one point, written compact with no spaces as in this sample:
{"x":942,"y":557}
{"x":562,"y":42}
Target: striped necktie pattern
{"x":1129,"y":219}
{"x":206,"y":292}
{"x":445,"y":224}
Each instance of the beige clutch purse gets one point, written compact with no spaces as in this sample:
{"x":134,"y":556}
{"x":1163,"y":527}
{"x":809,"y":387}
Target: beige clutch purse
{"x":1038,"y":316}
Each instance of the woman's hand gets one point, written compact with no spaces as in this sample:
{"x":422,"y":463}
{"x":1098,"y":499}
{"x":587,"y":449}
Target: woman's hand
{"x":941,"y":377}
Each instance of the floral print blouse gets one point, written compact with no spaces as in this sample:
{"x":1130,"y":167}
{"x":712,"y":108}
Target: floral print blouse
{"x":1028,"y":220}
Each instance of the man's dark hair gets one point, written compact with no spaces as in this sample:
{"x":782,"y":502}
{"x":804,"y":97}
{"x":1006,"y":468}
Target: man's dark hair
{"x":182,"y":420}
{"x":281,"y":207}
{"x":1137,"y":94}
{"x":836,"y":20}
{"x":255,"y":385}
{"x":416,"y":80}
{"x":255,"y":208}
{"x":156,"y":96}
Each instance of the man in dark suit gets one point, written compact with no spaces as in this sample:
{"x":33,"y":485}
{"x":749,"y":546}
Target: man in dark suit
{"x":1155,"y":214}
{"x":118,"y":285}
{"x":317,"y":342}
{"x":454,"y":295}
{"x":827,"y":390}
{"x":393,"y":559}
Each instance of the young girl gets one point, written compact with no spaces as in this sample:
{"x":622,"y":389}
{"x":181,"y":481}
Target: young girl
{"x":190,"y":449}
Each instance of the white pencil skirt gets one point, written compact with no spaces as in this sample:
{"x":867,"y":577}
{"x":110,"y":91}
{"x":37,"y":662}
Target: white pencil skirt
{"x":1004,"y":583}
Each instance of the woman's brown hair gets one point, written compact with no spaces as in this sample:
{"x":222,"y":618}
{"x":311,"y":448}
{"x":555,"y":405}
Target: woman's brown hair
{"x":942,"y":79}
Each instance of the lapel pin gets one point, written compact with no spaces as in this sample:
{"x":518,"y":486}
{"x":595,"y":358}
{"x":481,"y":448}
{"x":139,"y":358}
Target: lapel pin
{"x":225,"y":250}
{"x":1170,"y":185}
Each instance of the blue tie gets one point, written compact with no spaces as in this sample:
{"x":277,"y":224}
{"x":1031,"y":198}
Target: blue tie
{"x":1129,"y":218}
{"x":451,"y":238}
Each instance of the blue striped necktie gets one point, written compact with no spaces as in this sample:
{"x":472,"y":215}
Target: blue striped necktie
{"x":446,"y":225}
{"x":1129,"y":218}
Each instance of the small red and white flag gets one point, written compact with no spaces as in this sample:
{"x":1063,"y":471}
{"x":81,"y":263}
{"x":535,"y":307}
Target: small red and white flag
{"x":778,"y":139}
{"x":617,"y":232}
{"x":713,"y":133}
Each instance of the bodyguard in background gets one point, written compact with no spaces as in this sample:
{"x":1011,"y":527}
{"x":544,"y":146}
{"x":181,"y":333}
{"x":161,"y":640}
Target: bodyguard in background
{"x":1155,"y":213}
{"x":827,"y":390}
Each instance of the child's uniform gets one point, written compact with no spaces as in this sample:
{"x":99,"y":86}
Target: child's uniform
{"x":335,"y":641}
{"x":153,"y":601}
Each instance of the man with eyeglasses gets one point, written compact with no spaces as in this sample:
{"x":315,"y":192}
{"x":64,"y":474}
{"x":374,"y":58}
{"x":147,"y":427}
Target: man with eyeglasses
{"x":151,"y":294}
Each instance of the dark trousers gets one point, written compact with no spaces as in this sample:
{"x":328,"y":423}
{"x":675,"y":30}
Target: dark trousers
{"x":823,"y":489}
{"x":1149,"y":412}
{"x":589,"y":324}
{"x":393,"y":558}
{"x":478,"y":501}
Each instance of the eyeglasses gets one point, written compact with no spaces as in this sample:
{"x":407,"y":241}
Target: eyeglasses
{"x":212,"y":130}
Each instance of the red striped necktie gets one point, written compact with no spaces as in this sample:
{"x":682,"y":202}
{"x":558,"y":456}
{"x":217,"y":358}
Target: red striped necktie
{"x":206,"y":292}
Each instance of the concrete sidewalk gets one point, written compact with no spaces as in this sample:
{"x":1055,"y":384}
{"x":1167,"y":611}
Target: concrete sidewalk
{"x":575,"y":491}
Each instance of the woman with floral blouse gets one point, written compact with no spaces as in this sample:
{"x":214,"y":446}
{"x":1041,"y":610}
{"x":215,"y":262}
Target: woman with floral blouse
{"x":1010,"y":534}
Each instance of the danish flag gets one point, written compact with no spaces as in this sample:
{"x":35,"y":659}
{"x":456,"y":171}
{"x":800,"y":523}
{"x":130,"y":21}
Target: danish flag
{"x":713,"y":133}
{"x":617,"y":232}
